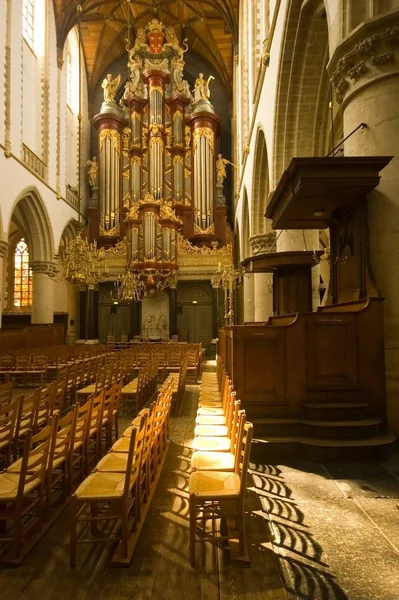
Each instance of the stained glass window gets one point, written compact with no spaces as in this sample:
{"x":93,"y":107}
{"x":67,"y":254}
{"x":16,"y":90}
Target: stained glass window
{"x":22,"y":275}
{"x":28,"y":9}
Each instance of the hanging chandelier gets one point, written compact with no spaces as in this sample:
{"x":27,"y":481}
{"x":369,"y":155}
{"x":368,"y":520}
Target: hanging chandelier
{"x":79,"y":262}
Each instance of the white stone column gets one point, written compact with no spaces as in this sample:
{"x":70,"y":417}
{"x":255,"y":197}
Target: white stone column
{"x":249,"y":298}
{"x":365,"y":72}
{"x":3,"y":252}
{"x":72,"y":313}
{"x":263,"y":282}
{"x":42,"y":292}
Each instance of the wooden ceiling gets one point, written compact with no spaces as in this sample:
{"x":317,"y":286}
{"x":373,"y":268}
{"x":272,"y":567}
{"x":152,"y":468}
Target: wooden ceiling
{"x":211,"y":27}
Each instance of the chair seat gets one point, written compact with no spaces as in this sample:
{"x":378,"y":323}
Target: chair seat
{"x":130,"y":388}
{"x":210,"y":420}
{"x":213,"y":461}
{"x":9,"y":486}
{"x":113,"y":462}
{"x":212,"y":444}
{"x":210,"y":403}
{"x":211,"y":430}
{"x":121,"y":445}
{"x":210,"y":410}
{"x":102,"y":485}
{"x":89,"y":389}
{"x":211,"y":483}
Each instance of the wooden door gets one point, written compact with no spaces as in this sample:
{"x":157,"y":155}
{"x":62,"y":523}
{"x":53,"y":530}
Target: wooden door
{"x":196,"y":319}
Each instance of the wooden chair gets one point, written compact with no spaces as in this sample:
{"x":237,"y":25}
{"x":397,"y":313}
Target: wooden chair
{"x":104,"y":497}
{"x":22,"y":499}
{"x":22,"y":367}
{"x":6,"y":367}
{"x":37,"y":374}
{"x":6,"y":390}
{"x":45,"y":408}
{"x":79,"y":459}
{"x":221,"y":461}
{"x":8,"y":418}
{"x":220,"y":495}
{"x":26,"y":418}
{"x":59,"y":471}
{"x":93,"y":439}
{"x":219,"y":443}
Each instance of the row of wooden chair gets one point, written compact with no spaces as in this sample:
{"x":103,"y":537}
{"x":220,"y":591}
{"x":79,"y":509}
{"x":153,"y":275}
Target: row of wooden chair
{"x":26,"y":413}
{"x":178,"y":382}
{"x":219,"y":463}
{"x":111,"y":503}
{"x":139,"y":391}
{"x":34,"y":488}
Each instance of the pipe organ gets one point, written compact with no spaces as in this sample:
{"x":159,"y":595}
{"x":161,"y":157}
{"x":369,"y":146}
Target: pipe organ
{"x":156,"y":148}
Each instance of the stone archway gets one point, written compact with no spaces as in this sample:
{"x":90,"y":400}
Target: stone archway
{"x":30,"y":216}
{"x":303,"y":87}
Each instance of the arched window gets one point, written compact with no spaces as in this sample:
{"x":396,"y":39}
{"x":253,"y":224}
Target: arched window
{"x":22,"y":275}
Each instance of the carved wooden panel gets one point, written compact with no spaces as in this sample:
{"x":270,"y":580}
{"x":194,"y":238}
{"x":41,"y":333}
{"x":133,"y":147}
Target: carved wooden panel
{"x":259,"y":366}
{"x":332,"y":352}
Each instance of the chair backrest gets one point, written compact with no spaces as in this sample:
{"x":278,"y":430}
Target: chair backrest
{"x":6,"y":362}
{"x":6,"y":393}
{"x":134,"y":456}
{"x":45,"y":407}
{"x":60,"y":393}
{"x":244,"y":452}
{"x":39,"y":362}
{"x":23,"y":362}
{"x":97,"y":411}
{"x":63,"y":439}
{"x":35,"y":460}
{"x":236,"y":437}
{"x":82,"y":420}
{"x":8,"y":418}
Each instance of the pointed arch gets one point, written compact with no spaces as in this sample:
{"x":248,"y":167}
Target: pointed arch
{"x":260,"y":185}
{"x":31,"y":217}
{"x":303,"y":86}
{"x":245,"y":227}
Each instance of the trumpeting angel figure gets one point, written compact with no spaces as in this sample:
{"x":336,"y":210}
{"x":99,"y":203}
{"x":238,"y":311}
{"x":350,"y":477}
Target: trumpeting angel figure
{"x":110,"y":86}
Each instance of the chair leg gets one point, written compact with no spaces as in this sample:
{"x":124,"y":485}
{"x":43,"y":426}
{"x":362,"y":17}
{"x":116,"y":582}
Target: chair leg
{"x":193,"y":516}
{"x":72,"y":536}
{"x":241,"y":529}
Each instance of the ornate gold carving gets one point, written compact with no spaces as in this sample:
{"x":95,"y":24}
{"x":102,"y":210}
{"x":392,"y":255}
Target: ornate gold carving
{"x":157,"y":140}
{"x":185,"y":247}
{"x":156,"y":88}
{"x":210,"y":229}
{"x":187,"y":173}
{"x":206,"y":132}
{"x":110,"y":134}
{"x":136,"y":115}
{"x":135,"y":160}
{"x":167,"y":212}
{"x":177,"y":159}
{"x":111,"y":232}
{"x":126,"y":200}
{"x":177,"y":115}
{"x":118,"y":250}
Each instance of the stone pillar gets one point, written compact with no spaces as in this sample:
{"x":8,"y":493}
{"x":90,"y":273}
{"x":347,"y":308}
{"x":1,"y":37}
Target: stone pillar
{"x":3,"y":252}
{"x":249,"y":298}
{"x":262,"y":282}
{"x":365,"y":73}
{"x":91,"y":319}
{"x":42,"y":292}
{"x":172,"y":293}
{"x":72,"y":313}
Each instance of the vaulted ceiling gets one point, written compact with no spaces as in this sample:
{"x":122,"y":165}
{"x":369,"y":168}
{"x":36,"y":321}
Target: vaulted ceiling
{"x":211,"y":27}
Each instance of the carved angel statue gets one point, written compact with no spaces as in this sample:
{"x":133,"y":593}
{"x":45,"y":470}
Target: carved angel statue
{"x":135,"y":64}
{"x":201,"y":88}
{"x":92,"y":168}
{"x":110,"y":86}
{"x":221,"y":169}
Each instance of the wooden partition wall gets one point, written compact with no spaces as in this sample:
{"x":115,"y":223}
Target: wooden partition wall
{"x":333,"y":355}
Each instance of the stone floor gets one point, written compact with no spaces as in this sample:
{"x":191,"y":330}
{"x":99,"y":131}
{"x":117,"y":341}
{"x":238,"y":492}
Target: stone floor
{"x":335,"y":527}
{"x":315,"y":532}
